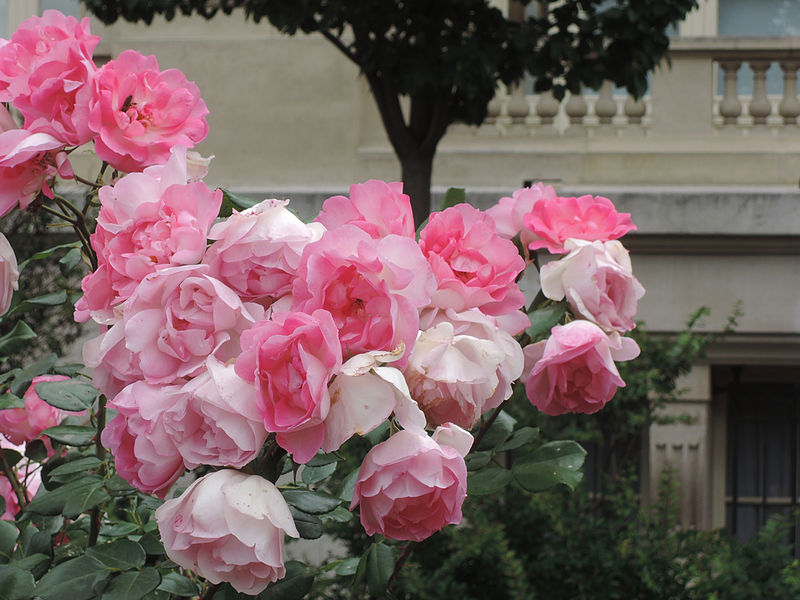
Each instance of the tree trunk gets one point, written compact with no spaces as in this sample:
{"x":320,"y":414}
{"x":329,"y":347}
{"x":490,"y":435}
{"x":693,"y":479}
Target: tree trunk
{"x":417,"y":172}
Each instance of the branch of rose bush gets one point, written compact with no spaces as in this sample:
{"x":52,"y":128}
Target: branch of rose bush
{"x":79,"y":225}
{"x":487,"y":424}
{"x":100,"y":451}
{"x":401,"y":561}
{"x":13,"y":480}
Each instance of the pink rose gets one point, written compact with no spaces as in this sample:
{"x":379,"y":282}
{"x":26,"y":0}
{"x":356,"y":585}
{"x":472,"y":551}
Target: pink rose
{"x":597,"y":280}
{"x":146,"y":221}
{"x":591,"y":218}
{"x":214,"y":420}
{"x":462,"y":366}
{"x":258,"y":250}
{"x":139,"y":112}
{"x":144,"y":452}
{"x":46,"y":70}
{"x":228,"y":526}
{"x":113,"y":365}
{"x":25,"y":424}
{"x":377,"y":207}
{"x":573,"y":371}
{"x":474,"y":267}
{"x":7,"y":494}
{"x":9,"y":274}
{"x":372,"y":288}
{"x":409,"y":487}
{"x":509,"y":213}
{"x":291,"y":358}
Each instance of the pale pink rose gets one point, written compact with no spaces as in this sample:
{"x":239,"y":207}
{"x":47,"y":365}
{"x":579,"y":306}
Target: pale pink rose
{"x":597,"y":280}
{"x":25,"y":424}
{"x":7,"y":494}
{"x":146,"y":221}
{"x":509,"y":213}
{"x":573,"y":371}
{"x":28,"y":163}
{"x":474,"y":267}
{"x":139,"y":112}
{"x":258,"y":250}
{"x":46,"y":70}
{"x":145,"y":454}
{"x":377,"y":207}
{"x":113,"y":365}
{"x":291,"y":358}
{"x":591,"y":218}
{"x":9,"y":274}
{"x":372,"y":288}
{"x":228,"y":526}
{"x":179,"y":316}
{"x":410,"y":487}
{"x":214,"y":420}
{"x":462,"y":366}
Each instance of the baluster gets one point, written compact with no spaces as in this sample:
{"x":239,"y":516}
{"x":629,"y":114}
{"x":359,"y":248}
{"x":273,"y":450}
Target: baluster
{"x":759,"y":107}
{"x":634,"y":110}
{"x":576,"y":110}
{"x":730,"y":108}
{"x":518,"y":108}
{"x":789,"y":107}
{"x":547,"y":107}
{"x":494,"y":108}
{"x":606,"y":107}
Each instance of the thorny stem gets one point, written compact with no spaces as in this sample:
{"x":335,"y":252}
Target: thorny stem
{"x":92,"y":184}
{"x":100,"y":452}
{"x":58,"y":214}
{"x":79,"y":225}
{"x":487,"y":425}
{"x":12,"y":479}
{"x":210,"y":591}
{"x":398,"y":566}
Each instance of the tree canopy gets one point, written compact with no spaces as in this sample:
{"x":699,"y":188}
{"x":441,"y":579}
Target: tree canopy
{"x":448,"y":56}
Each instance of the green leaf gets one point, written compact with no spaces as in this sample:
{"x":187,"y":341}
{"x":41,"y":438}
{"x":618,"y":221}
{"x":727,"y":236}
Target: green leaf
{"x":322,"y":459}
{"x":23,"y":378}
{"x":48,"y":252}
{"x":70,"y":260}
{"x":36,"y":450}
{"x":151,"y":543}
{"x":71,"y":498}
{"x":36,"y":564}
{"x":132,"y":585}
{"x":453,"y":196}
{"x":349,"y":486}
{"x":231,"y":201}
{"x":51,"y":299}
{"x":312,"y":475}
{"x":477,"y":460}
{"x":9,"y":400}
{"x":380,"y":566}
{"x":379,"y":434}
{"x":15,"y":583}
{"x":68,"y":395}
{"x":519,"y":438}
{"x":8,"y":539}
{"x":549,"y":465}
{"x":71,"y":435}
{"x":499,"y":431}
{"x":73,"y":468}
{"x":339,"y":515}
{"x":294,"y":586}
{"x":74,"y":579}
{"x":178,"y":585}
{"x":119,"y":555}
{"x":544,"y":319}
{"x":117,"y":486}
{"x":11,"y":457}
{"x":32,"y":541}
{"x":488,"y":481}
{"x":347,"y":567}
{"x":16,"y":338}
{"x":119,"y":530}
{"x":313,"y":503}
{"x":308,"y":526}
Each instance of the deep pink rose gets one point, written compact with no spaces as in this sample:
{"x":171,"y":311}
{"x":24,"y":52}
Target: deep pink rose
{"x":138,"y":112}
{"x":377,"y":207}
{"x":9,"y":274}
{"x":46,"y":70}
{"x":474,"y":267}
{"x":228,"y":526}
{"x":25,"y":424}
{"x":146,"y":221}
{"x":144,"y":452}
{"x":373,"y":288}
{"x":597,"y":280}
{"x":258,"y":250}
{"x":573,"y":371}
{"x":509,"y":213}
{"x":409,"y":487}
{"x":214,"y":420}
{"x":291,"y":358}
{"x":591,"y":218}
{"x":462,"y":366}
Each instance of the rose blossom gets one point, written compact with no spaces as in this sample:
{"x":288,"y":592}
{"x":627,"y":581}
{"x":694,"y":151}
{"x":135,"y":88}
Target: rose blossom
{"x":598,"y":282}
{"x":9,"y":274}
{"x":372,"y":288}
{"x":509,"y":213}
{"x":291,"y":358}
{"x":21,"y":425}
{"x":7,"y":493}
{"x":258,"y":250}
{"x":410,"y":486}
{"x":573,"y":371}
{"x":146,"y":221}
{"x":590,"y":218}
{"x":474,"y":267}
{"x":139,"y":112}
{"x":462,"y":366}
{"x":46,"y":70}
{"x":145,"y":454}
{"x":377,"y":207}
{"x":228,"y":526}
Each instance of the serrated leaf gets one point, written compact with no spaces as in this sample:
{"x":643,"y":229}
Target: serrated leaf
{"x":15,"y":583}
{"x":8,"y":539}
{"x":549,"y":465}
{"x":294,"y":586}
{"x":119,"y":555}
{"x":308,"y":526}
{"x":499,"y":431}
{"x":339,"y":515}
{"x":312,"y":475}
{"x":16,"y":338}
{"x":488,"y":481}
{"x":313,"y":503}
{"x":132,"y":585}
{"x":379,"y":568}
{"x":477,"y":460}
{"x":70,"y":260}
{"x":151,"y":543}
{"x":71,"y":499}
{"x":36,"y":564}
{"x":51,"y":299}
{"x":178,"y":585}
{"x":544,"y":319}
{"x":118,"y":529}
{"x":74,"y":468}
{"x":46,"y":253}
{"x":22,"y":379}
{"x":519,"y":438}
{"x":71,"y":435}
{"x":67,"y":395}
{"x":349,"y":486}
{"x":74,"y":579}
